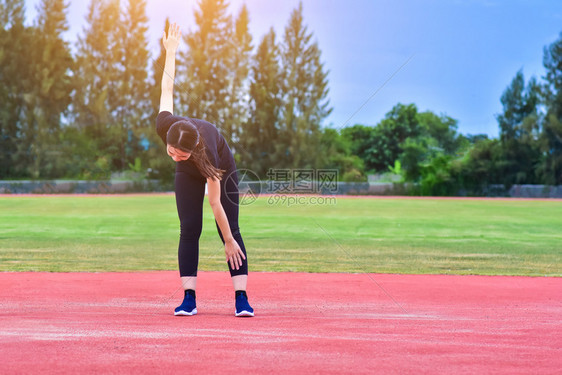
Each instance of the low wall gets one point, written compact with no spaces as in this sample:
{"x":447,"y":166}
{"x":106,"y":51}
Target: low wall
{"x":536,"y":191}
{"x":343,"y":188}
{"x":81,"y":187}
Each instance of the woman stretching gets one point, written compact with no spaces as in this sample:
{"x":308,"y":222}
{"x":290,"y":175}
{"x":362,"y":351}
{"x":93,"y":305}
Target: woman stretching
{"x":202,"y":156}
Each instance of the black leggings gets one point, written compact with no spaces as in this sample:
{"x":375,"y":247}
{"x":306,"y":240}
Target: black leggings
{"x":190,"y":192}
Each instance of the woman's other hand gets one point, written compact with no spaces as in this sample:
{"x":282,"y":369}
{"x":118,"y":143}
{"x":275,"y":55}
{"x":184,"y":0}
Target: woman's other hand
{"x":234,"y":254}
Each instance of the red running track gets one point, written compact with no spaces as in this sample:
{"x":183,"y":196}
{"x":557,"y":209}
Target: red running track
{"x":305,"y":323}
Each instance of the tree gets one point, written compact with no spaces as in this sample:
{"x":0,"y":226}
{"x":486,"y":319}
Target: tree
{"x":400,"y":123}
{"x":436,"y":177}
{"x":443,"y":129}
{"x":259,"y":136}
{"x":417,"y":153}
{"x":132,"y":111}
{"x":97,"y":83}
{"x":551,"y":134}
{"x":305,"y":91}
{"x":337,"y":149}
{"x":479,"y":167}
{"x":428,"y":155}
{"x":204,"y":69}
{"x":360,"y":138}
{"x":12,"y":12}
{"x":406,"y":136}
{"x":49,"y":97}
{"x":239,"y":67}
{"x":15,"y":74}
{"x":519,"y":129}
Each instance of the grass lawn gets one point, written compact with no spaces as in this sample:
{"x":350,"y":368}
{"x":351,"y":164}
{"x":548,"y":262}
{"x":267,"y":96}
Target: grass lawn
{"x":126,"y":233}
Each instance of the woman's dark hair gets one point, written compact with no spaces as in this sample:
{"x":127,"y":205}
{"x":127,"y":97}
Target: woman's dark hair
{"x":184,"y":136}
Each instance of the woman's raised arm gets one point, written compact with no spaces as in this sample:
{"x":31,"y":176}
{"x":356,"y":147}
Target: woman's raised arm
{"x":171,"y":43}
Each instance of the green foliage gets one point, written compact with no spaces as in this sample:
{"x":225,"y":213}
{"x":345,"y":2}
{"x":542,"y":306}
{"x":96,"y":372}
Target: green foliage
{"x":97,"y":80}
{"x":35,"y":73}
{"x":133,"y":96}
{"x":203,"y":70}
{"x":519,"y":130}
{"x":337,"y":155}
{"x":304,"y":90}
{"x":397,"y":168}
{"x":259,"y":140}
{"x":81,"y":152}
{"x":415,"y":152}
{"x":92,"y":113}
{"x":288,"y":102}
{"x":436,"y":178}
{"x":442,"y":161}
{"x":52,"y":92}
{"x":480,"y":166}
{"x":15,"y":72}
{"x":111,"y":100}
{"x":236,"y":108}
{"x":398,"y":125}
{"x":551,"y":135}
{"x":361,"y":144}
{"x":137,"y":166}
{"x":406,"y":141}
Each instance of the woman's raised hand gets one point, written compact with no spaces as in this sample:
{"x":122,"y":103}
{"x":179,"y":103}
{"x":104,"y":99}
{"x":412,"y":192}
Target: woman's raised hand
{"x":172,"y":42}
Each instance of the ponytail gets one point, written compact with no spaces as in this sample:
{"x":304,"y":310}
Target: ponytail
{"x":184,"y":136}
{"x":202,"y":162}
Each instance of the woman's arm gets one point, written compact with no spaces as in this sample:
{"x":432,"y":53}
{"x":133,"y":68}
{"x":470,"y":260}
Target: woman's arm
{"x":171,"y":44}
{"x":234,"y":254}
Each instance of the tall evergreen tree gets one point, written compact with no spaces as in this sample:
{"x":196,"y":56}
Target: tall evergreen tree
{"x":259,"y":138}
{"x":519,"y":127}
{"x":237,"y":105}
{"x":97,"y":81}
{"x":305,"y":91}
{"x":518,"y":103}
{"x":12,"y":12}
{"x":132,"y":111}
{"x":15,"y":74}
{"x":50,"y":95}
{"x":204,"y":70}
{"x":551,"y":135}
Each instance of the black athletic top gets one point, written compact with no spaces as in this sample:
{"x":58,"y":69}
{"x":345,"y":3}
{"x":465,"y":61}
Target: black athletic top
{"x":217,"y":149}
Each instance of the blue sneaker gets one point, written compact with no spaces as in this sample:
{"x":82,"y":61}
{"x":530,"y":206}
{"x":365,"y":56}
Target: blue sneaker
{"x":187,"y":307}
{"x":243,"y":308}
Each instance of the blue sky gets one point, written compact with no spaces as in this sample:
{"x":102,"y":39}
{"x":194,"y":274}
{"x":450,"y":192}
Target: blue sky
{"x":465,"y":52}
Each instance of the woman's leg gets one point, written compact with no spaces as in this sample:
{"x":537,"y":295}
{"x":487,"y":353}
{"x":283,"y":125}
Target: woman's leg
{"x":190,"y":192}
{"x":229,"y":202}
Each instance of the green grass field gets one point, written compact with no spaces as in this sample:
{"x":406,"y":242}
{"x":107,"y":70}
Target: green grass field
{"x":129,"y":233}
